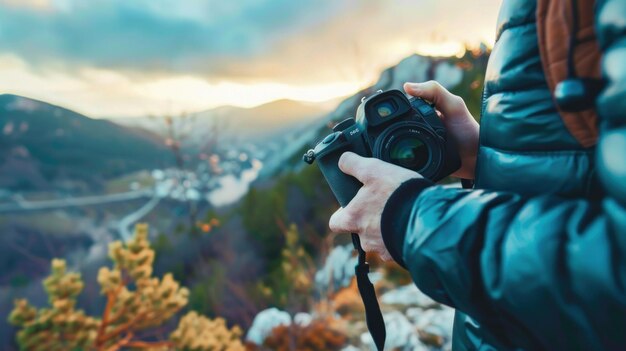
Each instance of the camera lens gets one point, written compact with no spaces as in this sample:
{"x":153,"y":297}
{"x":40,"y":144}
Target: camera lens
{"x":409,"y":152}
{"x":386,"y":108}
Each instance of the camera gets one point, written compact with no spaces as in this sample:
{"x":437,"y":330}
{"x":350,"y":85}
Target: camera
{"x":393,"y":128}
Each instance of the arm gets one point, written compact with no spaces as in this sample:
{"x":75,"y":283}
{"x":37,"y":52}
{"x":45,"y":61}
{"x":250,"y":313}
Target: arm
{"x":552,"y":270}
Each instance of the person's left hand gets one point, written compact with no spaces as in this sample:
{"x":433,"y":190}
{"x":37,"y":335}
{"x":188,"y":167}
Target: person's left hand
{"x":363,"y":214}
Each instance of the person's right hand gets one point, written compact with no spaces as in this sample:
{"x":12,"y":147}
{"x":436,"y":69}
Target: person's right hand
{"x":458,"y":121}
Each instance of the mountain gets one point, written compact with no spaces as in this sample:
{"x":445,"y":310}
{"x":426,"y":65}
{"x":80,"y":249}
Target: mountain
{"x":265,"y":118}
{"x":463,"y":76}
{"x":230,"y":271}
{"x":44,"y":146}
{"x":238,"y":124}
{"x":451,"y":72}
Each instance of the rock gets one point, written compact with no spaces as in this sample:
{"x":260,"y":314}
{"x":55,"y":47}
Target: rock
{"x":448,"y":74}
{"x":411,"y":69}
{"x":303,"y":319}
{"x":264,"y":322}
{"x":442,"y":317}
{"x":434,"y":325}
{"x":401,"y":334}
{"x":431,"y":337}
{"x":414,"y":68}
{"x":338,"y":269}
{"x":375,"y":277}
{"x":408,"y":295}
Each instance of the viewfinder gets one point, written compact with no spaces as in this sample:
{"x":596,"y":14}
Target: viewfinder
{"x":386,"y":108}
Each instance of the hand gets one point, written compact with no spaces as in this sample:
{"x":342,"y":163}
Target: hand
{"x":363,"y":214}
{"x":458,"y":121}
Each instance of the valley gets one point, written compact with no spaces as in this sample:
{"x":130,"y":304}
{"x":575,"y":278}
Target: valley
{"x":220,"y":190}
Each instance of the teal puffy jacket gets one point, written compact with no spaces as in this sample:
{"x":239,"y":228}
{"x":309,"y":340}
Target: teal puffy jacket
{"x":534,"y":257}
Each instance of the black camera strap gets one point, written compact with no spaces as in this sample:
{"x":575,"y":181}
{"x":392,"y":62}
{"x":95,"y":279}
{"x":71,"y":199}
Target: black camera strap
{"x":373,"y":315}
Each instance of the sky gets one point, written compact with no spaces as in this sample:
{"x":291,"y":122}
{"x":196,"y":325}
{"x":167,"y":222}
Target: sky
{"x":126,"y":58}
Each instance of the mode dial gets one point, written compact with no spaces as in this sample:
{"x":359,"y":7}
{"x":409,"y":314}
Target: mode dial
{"x":343,"y":125}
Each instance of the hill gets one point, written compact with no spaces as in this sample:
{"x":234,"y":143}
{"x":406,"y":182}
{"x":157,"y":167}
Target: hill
{"x":44,"y":146}
{"x":237,"y":270}
{"x":260,"y":120}
{"x":239,"y":125}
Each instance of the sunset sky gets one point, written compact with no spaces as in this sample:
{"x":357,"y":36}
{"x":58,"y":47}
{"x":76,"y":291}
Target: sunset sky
{"x":130,"y":58}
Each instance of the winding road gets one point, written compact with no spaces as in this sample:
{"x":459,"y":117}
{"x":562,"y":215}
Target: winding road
{"x":24,"y":205}
{"x":123,"y":226}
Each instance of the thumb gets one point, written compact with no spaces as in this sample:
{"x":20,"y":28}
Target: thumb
{"x":445,"y":101}
{"x":342,"y":222}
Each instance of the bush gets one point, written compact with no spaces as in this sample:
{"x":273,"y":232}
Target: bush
{"x":136,"y":303}
{"x":317,"y":336}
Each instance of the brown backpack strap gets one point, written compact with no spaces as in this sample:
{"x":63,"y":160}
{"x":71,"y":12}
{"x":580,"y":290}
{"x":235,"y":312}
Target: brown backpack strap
{"x":554,"y":28}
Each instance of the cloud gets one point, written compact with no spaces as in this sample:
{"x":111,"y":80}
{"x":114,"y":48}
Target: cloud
{"x":120,"y":57}
{"x":32,"y":4}
{"x":140,"y":35}
{"x":370,"y":35}
{"x":246,"y":39}
{"x":106,"y":93}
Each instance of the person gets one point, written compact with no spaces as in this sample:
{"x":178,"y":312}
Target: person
{"x":534,"y":257}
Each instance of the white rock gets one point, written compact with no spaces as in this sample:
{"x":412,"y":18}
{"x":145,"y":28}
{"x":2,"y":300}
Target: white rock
{"x":411,"y":69}
{"x":302,"y":318}
{"x":434,"y":321}
{"x":338,"y":269}
{"x":192,"y":194}
{"x":264,"y":322}
{"x":442,"y":318}
{"x":408,"y":295}
{"x":158,"y":174}
{"x":448,"y":74}
{"x":401,"y":334}
{"x":375,"y":277}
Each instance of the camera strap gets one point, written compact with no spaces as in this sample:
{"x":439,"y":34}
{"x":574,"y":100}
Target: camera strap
{"x":373,"y":315}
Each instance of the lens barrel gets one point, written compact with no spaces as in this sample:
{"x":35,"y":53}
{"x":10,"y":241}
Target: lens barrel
{"x":410,"y":145}
{"x":409,"y":152}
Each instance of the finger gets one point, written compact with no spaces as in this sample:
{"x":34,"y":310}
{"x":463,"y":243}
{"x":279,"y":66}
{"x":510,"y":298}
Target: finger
{"x":357,"y":166}
{"x":348,"y":219}
{"x":445,"y":101}
{"x":368,"y":170}
{"x":342,"y":222}
{"x":373,"y":246}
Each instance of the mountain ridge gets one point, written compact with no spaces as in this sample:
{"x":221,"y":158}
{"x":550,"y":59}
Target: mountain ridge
{"x":241,"y":124}
{"x":463,"y":76}
{"x":43,"y":144}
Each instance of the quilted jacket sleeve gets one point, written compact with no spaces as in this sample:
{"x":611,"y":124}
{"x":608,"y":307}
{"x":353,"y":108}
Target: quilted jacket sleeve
{"x":548,"y":272}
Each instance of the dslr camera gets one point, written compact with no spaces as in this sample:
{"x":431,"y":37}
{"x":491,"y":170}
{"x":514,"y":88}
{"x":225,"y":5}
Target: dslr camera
{"x":390,"y":127}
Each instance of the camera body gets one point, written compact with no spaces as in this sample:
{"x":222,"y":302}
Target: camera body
{"x":390,"y":127}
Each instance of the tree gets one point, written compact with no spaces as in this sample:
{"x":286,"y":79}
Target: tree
{"x":136,"y":302}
